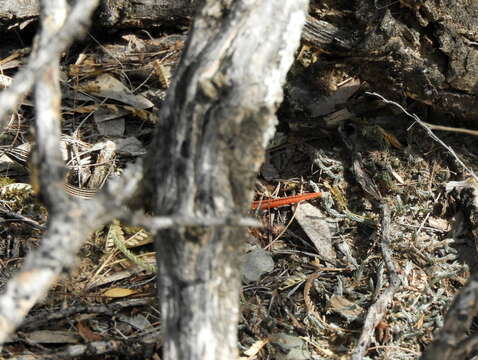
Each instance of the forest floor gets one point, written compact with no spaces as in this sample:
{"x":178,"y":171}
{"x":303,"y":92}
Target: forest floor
{"x":312,"y":272}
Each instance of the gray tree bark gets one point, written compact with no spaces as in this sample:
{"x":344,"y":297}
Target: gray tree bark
{"x":217,"y":120}
{"x":117,"y":13}
{"x":423,"y":50}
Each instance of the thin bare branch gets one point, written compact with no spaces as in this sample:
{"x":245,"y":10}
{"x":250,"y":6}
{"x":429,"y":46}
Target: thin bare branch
{"x":47,"y":107}
{"x":18,"y":217}
{"x":429,"y":132}
{"x":67,"y":231}
{"x":42,"y":318}
{"x":134,"y":347}
{"x":75,"y":27}
{"x":157,"y":223}
{"x":378,"y":309}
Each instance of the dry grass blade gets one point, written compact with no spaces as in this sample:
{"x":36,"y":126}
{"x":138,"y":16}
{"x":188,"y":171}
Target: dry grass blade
{"x":116,"y":237}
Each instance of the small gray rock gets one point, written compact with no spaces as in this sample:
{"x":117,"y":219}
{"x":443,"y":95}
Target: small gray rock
{"x":287,"y":342}
{"x":293,"y":347}
{"x":256,"y":263}
{"x":298,"y":354}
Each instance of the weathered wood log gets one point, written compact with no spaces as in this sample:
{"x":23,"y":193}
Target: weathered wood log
{"x":111,"y":13}
{"x":215,"y":124}
{"x":18,"y":10}
{"x":423,"y":50}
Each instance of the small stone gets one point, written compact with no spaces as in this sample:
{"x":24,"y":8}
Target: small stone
{"x":256,"y":263}
{"x":287,"y":342}
{"x":298,"y":354}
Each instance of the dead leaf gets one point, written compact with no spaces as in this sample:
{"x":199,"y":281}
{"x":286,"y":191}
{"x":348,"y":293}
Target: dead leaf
{"x":313,"y":222}
{"x":109,"y":123}
{"x":438,"y":223}
{"x":52,"y":337}
{"x":119,"y":292}
{"x":109,"y":87}
{"x":420,"y":321}
{"x":129,"y":146}
{"x":348,"y":309}
{"x":87,"y":334}
{"x":326,"y":104}
{"x":391,"y":139}
{"x":109,"y":278}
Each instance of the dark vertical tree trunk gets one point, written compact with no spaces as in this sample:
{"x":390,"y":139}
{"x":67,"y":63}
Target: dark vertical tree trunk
{"x":214,"y":127}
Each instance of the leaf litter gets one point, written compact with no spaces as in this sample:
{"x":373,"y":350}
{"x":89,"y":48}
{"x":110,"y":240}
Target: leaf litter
{"x":325,"y":268}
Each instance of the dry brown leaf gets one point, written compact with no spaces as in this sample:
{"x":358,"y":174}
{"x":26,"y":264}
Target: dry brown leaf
{"x":391,"y":139}
{"x":420,"y":321}
{"x":87,"y":334}
{"x":119,"y":292}
{"x":348,"y":309}
{"x":107,"y":86}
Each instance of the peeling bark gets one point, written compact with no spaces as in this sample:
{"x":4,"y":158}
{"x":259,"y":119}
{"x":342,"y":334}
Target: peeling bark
{"x":112,"y":13}
{"x":423,"y":50}
{"x":216,"y":122}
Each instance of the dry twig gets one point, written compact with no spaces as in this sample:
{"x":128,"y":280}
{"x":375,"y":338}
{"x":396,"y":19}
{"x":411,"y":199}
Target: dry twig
{"x":75,"y":27}
{"x":37,"y":320}
{"x":429,"y":132}
{"x":135,"y":347}
{"x":377,"y":310}
{"x":18,"y":217}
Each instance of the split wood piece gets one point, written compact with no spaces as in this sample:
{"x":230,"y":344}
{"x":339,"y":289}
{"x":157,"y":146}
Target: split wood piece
{"x":378,"y":309}
{"x":146,"y":13}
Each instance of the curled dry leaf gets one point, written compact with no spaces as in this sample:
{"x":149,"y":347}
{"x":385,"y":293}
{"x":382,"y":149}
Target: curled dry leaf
{"x":107,"y":86}
{"x":86,"y":333}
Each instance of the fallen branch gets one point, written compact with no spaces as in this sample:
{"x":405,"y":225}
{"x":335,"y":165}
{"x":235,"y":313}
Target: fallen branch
{"x":378,"y":309}
{"x":66,"y":232}
{"x":75,"y":27}
{"x":18,"y":217}
{"x":215,"y":124}
{"x":35,"y":321}
{"x":429,"y":132}
{"x":135,"y":347}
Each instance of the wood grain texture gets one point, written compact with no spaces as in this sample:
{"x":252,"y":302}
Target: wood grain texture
{"x":215,"y":124}
{"x":117,"y":13}
{"x":421,"y":50}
